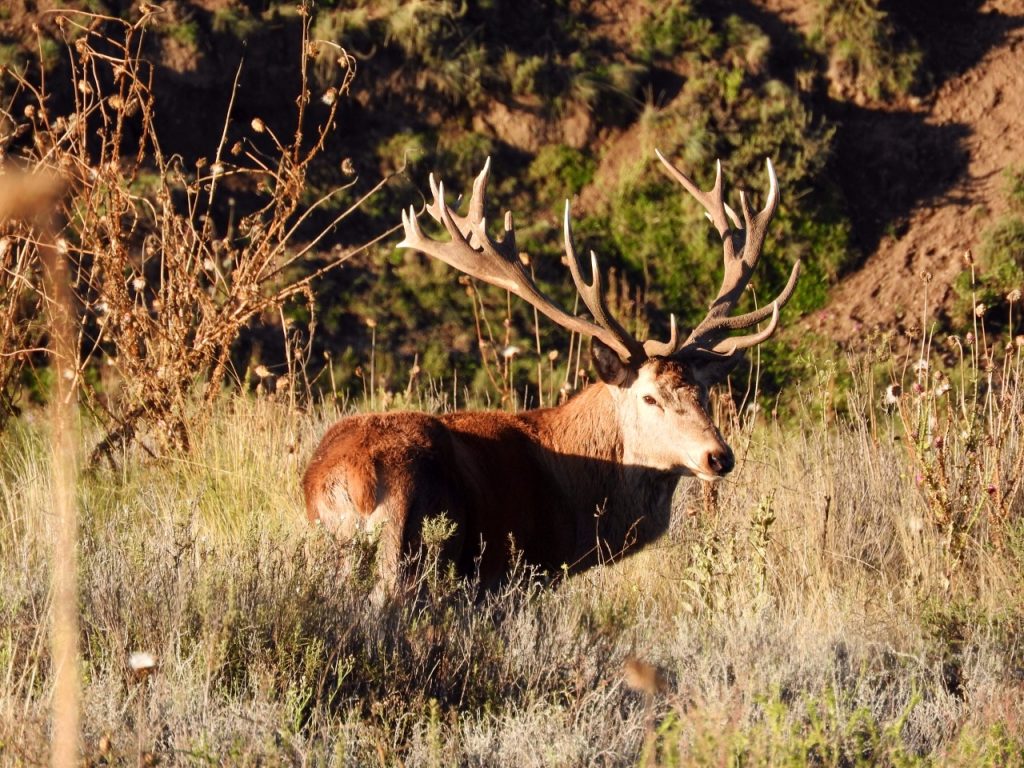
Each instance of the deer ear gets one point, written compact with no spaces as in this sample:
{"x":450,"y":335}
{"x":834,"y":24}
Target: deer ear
{"x":610,"y":368}
{"x":714,"y":371}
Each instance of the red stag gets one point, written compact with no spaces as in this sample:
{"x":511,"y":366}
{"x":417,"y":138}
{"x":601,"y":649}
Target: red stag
{"x":563,"y":485}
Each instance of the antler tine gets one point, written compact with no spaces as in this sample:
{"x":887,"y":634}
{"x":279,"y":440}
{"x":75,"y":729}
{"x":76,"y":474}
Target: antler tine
{"x":734,"y":344}
{"x":593,"y":293}
{"x":478,"y":201}
{"x":726,"y":323}
{"x":433,"y":207}
{"x":756,"y":225}
{"x":664,"y":348}
{"x":713,"y":200}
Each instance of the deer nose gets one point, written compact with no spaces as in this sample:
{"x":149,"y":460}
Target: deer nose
{"x":720,"y":461}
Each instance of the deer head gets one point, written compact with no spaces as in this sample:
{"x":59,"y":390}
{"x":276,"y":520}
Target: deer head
{"x":659,"y":388}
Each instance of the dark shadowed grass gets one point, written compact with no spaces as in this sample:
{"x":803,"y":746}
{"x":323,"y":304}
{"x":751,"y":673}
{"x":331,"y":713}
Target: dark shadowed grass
{"x":818,"y":616}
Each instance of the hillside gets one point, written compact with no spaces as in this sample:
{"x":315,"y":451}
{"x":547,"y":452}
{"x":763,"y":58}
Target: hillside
{"x":893,"y":130}
{"x":973,"y":117}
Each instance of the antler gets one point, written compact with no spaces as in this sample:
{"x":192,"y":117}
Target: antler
{"x":748,"y":240}
{"x":471,"y":250}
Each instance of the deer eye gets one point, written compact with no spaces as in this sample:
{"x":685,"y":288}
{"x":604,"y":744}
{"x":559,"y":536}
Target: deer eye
{"x":650,"y":400}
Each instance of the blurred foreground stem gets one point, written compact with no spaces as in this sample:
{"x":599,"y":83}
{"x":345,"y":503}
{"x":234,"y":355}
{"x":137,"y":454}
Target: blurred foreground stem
{"x":64,"y":517}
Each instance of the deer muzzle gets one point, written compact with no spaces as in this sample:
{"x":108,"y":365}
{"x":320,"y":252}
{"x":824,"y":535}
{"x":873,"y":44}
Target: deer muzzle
{"x":717,"y":462}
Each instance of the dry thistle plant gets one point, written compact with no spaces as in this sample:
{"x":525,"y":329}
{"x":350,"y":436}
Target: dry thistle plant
{"x":165,"y":280}
{"x":963,"y":433}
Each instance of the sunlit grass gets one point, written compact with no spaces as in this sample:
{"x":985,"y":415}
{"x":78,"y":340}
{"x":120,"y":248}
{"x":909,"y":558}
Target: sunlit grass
{"x":813,"y":617}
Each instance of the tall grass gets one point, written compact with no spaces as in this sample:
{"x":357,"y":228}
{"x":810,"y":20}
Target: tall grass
{"x":817,"y":616}
{"x":25,"y":201}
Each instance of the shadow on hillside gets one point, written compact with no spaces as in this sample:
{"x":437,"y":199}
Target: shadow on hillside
{"x":953,"y":35}
{"x":193,"y":86}
{"x":888,"y":162}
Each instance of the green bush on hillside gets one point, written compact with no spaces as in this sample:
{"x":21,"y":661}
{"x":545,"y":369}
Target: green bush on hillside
{"x":997,"y":278}
{"x":867,"y":60}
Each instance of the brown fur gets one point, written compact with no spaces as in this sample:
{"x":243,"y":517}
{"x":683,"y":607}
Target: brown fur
{"x":552,"y":481}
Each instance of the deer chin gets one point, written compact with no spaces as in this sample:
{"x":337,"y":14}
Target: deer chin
{"x":688,"y":471}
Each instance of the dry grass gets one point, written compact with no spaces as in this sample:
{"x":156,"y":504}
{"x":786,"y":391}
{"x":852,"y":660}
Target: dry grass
{"x":21,"y":321}
{"x":818,"y":617}
{"x":28,"y":199}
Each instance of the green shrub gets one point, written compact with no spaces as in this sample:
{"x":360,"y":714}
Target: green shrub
{"x":1014,"y":187}
{"x":238,"y":22}
{"x":867,"y":59}
{"x":673,"y":27}
{"x":998,"y":272}
{"x":523,"y":74}
{"x":417,"y":27}
{"x":403,"y":148}
{"x":559,"y":172}
{"x":12,"y":55}
{"x":186,"y":32}
{"x":461,"y":155}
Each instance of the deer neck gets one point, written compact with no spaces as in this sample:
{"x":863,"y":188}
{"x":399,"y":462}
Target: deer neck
{"x":611,"y":498}
{"x":585,"y":426}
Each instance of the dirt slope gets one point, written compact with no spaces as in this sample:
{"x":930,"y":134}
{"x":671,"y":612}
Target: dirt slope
{"x":984,"y":106}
